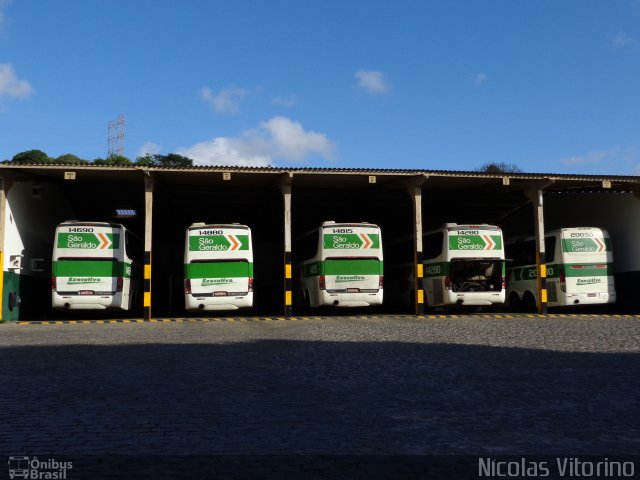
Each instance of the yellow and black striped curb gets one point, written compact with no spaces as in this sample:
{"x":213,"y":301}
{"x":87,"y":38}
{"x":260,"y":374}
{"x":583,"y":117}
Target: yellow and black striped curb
{"x":307,"y":318}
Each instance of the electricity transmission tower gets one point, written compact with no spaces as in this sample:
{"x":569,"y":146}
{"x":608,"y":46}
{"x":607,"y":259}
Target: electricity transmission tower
{"x":116,"y":137}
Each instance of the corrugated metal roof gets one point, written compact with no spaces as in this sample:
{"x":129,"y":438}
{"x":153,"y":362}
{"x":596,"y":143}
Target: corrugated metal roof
{"x":333,"y":170}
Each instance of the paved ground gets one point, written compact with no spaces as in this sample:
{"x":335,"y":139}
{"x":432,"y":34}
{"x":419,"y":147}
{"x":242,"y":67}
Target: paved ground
{"x":466,"y":385}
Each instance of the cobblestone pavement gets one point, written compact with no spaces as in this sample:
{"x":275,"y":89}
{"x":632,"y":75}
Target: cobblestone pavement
{"x":467,"y":385}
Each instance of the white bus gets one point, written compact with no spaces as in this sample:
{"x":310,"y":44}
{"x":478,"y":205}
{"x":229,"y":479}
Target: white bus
{"x":579,"y":264}
{"x":464,"y":265}
{"x":218,"y":267}
{"x":95,"y":266}
{"x":345,"y":268}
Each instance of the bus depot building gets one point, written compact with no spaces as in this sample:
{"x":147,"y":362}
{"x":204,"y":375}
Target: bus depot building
{"x":279,"y":207}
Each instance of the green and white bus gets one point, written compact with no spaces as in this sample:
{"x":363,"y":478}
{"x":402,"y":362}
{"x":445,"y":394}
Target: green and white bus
{"x":218,"y":267}
{"x":579,"y":263}
{"x":95,"y":266}
{"x":345,"y":268}
{"x":464,"y":265}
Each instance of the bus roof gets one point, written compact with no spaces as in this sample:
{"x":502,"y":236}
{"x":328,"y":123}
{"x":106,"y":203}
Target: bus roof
{"x":197,"y":226}
{"x":331,"y":223}
{"x":74,"y":223}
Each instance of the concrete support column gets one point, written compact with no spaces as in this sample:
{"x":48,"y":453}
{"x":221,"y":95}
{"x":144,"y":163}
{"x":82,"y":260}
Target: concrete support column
{"x":148,"y":223}
{"x":416,"y":198}
{"x":536,"y":196}
{"x":285,"y":187}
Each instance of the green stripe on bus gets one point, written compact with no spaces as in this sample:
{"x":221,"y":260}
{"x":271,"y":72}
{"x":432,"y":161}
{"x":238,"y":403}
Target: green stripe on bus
{"x":475,"y":242}
{"x":218,"y":269}
{"x":436,"y":269}
{"x":363,"y":266}
{"x":218,"y":243}
{"x":89,"y":241}
{"x":570,"y":270}
{"x":346,"y":241}
{"x":94,"y":268}
{"x":586,"y":245}
{"x":588,"y":269}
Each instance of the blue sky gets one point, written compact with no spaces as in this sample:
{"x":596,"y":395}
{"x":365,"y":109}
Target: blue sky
{"x":551,"y":86}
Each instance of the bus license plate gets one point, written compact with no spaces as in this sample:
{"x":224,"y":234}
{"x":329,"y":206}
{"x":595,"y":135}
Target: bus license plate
{"x":592,"y":294}
{"x":86,"y":292}
{"x":353,"y":290}
{"x":219,"y":294}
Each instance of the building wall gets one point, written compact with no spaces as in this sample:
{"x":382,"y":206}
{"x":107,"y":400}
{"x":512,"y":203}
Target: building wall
{"x":32,"y":212}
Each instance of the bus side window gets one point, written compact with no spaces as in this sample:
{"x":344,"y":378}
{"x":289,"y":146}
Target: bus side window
{"x":549,"y":248}
{"x":515,"y":252}
{"x":432,"y":247}
{"x":127,"y":244}
{"x":530,"y":252}
{"x":306,"y":247}
{"x":132,"y":247}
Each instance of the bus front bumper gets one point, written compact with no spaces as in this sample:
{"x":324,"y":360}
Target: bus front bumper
{"x":474,"y":298}
{"x":594,"y":298}
{"x":350,"y":299}
{"x":86,"y":302}
{"x":195,"y":303}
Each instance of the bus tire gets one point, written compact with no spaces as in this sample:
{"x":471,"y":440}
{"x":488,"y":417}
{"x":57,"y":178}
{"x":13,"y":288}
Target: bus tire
{"x":529,"y":302}
{"x":514,"y":303}
{"x":306,"y":302}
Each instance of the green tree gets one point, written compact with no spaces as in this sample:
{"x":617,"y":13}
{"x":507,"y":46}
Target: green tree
{"x":146,"y":161}
{"x":70,"y":158}
{"x":31,"y":156}
{"x":499,"y":167}
{"x":170,"y":160}
{"x":174,"y":160}
{"x":119,"y":160}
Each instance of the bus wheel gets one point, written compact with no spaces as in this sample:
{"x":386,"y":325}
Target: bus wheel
{"x":306,"y":302}
{"x":514,"y":302}
{"x":529,"y":302}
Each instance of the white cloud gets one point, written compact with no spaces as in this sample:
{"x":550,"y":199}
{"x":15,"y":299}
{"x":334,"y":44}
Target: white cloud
{"x":223,"y":151}
{"x":149,"y":148}
{"x":623,"y":40}
{"x":277,"y":138}
{"x":616,"y":158}
{"x":480,"y":78}
{"x":289,"y":101}
{"x":225,"y":101}
{"x":373,"y":81}
{"x":12,"y":86}
{"x":3,"y":16}
{"x":590,"y":158}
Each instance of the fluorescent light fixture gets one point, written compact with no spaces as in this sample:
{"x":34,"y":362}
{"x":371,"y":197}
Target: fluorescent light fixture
{"x":125,"y":213}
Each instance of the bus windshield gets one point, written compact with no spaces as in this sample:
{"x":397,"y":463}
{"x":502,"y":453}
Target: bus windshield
{"x":476,"y":275}
{"x":217,"y":268}
{"x":352,"y":266}
{"x":82,"y":266}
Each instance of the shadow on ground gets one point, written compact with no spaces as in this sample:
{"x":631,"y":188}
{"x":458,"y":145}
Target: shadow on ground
{"x":293,"y":397}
